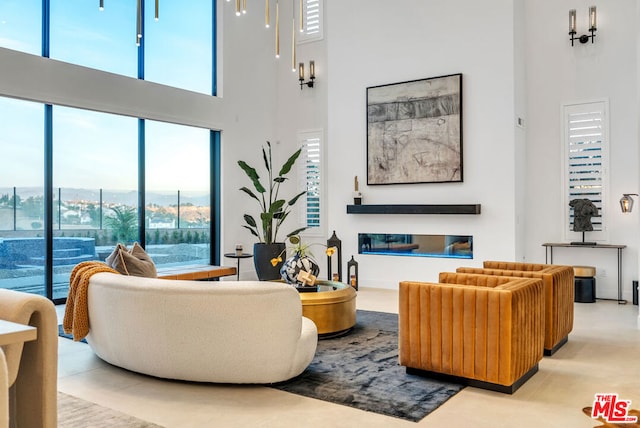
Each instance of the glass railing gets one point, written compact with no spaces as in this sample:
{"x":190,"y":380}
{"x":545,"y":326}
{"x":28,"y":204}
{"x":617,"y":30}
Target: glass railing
{"x":87,"y":225}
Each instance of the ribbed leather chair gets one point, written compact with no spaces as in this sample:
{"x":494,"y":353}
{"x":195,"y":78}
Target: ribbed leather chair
{"x":479,"y":330}
{"x":558,"y":294}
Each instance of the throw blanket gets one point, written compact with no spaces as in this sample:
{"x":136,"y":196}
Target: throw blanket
{"x":76,"y":313}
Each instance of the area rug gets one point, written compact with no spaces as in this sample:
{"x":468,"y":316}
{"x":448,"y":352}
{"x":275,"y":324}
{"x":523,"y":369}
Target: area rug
{"x":74,"y":412}
{"x":61,"y":333}
{"x":361,"y":370}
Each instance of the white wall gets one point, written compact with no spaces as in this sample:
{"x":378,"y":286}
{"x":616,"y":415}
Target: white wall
{"x":263,"y":101}
{"x":516,"y":61}
{"x":520,"y":137}
{"x":558,"y":74}
{"x":371,"y":43}
{"x":250,"y":87}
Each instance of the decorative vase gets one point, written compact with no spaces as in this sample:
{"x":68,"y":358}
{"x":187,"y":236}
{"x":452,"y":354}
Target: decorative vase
{"x":262,"y":255}
{"x":296,"y":263}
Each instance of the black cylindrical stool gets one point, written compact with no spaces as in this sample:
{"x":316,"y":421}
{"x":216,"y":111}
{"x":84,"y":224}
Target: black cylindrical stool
{"x":585,"y":284}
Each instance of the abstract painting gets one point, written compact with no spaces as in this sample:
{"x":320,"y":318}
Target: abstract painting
{"x":414,"y":131}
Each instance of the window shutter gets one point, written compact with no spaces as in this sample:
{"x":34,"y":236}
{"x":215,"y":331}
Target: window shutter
{"x":312,"y":13}
{"x":311,"y":181}
{"x":586,"y":149}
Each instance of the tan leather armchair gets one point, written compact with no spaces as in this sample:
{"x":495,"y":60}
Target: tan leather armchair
{"x":480,"y":330}
{"x":558,"y":295}
{"x":32,"y":367}
{"x":4,"y":392}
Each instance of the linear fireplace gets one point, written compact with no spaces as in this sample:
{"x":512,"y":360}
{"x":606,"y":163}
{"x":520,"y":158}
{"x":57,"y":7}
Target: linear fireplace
{"x":444,"y":246}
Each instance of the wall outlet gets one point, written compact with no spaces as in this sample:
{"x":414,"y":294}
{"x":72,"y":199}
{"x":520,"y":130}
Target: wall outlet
{"x":601,"y":273}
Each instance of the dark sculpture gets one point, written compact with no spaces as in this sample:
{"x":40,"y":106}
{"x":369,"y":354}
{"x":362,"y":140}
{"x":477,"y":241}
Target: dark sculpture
{"x":583,"y":210}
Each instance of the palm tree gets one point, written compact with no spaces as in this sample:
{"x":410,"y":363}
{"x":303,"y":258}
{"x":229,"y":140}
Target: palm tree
{"x":124,"y":223}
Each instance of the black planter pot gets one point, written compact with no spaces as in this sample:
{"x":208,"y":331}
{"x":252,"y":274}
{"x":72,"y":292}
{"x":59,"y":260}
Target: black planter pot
{"x":262,"y":255}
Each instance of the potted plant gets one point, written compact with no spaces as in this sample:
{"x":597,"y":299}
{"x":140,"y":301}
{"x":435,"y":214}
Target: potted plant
{"x":274,"y":210}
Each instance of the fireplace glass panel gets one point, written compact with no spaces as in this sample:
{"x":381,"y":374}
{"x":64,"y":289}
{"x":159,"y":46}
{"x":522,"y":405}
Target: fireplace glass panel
{"x":443,"y":246}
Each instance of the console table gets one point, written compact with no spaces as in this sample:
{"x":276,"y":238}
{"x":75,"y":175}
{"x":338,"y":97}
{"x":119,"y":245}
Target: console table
{"x":548,"y":258}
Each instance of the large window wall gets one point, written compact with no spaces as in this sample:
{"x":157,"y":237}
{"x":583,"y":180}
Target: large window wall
{"x":178,"y":46}
{"x":22,"y":195}
{"x":97,"y":181}
{"x":177,"y":50}
{"x":75,"y":181}
{"x":82,"y":34}
{"x":21,"y":25}
{"x":177,"y":198}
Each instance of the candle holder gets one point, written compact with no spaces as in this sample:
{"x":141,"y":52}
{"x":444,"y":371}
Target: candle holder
{"x":334,"y":241}
{"x":353,"y":277}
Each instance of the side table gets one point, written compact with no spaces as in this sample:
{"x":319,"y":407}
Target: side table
{"x":11,"y":332}
{"x":238,"y":257}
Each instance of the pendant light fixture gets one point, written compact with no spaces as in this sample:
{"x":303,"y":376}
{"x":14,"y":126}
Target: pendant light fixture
{"x":293,"y":41}
{"x":277,"y":29}
{"x":301,"y":17}
{"x":241,"y":9}
{"x":266,"y":13}
{"x":139,"y":24}
{"x":139,"y":17}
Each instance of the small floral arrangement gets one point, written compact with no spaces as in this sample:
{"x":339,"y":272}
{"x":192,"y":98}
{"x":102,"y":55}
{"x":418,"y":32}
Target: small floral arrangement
{"x":300,"y":249}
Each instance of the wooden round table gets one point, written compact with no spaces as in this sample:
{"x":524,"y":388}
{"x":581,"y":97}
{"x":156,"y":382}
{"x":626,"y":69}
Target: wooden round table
{"x":332,"y":308}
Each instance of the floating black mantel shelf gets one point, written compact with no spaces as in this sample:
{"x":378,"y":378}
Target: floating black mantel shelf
{"x":414,"y":209}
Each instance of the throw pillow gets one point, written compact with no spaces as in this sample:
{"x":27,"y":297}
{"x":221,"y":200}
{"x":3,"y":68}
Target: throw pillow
{"x":112,"y":258}
{"x":135,"y":262}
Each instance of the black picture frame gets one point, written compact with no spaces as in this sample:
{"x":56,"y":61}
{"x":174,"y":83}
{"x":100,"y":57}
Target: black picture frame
{"x":414,"y":131}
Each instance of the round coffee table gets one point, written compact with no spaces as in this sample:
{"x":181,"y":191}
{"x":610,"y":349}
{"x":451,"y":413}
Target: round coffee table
{"x":332,"y":308}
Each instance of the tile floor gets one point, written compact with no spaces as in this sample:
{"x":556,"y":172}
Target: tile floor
{"x":602,"y":356}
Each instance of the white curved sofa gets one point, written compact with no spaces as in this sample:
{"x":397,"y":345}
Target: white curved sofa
{"x":226,"y":332}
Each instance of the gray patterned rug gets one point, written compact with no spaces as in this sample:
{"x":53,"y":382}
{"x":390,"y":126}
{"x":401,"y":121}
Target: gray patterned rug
{"x":74,"y":412}
{"x":361,"y":370}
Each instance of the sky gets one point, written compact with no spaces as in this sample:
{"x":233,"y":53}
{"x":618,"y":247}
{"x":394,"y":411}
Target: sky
{"x":177,"y":53}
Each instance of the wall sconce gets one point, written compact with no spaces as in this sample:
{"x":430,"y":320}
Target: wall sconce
{"x":626,"y":202}
{"x":312,"y":74}
{"x":592,"y":26}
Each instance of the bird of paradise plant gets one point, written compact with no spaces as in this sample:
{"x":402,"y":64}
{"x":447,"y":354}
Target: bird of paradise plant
{"x":274,"y":210}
